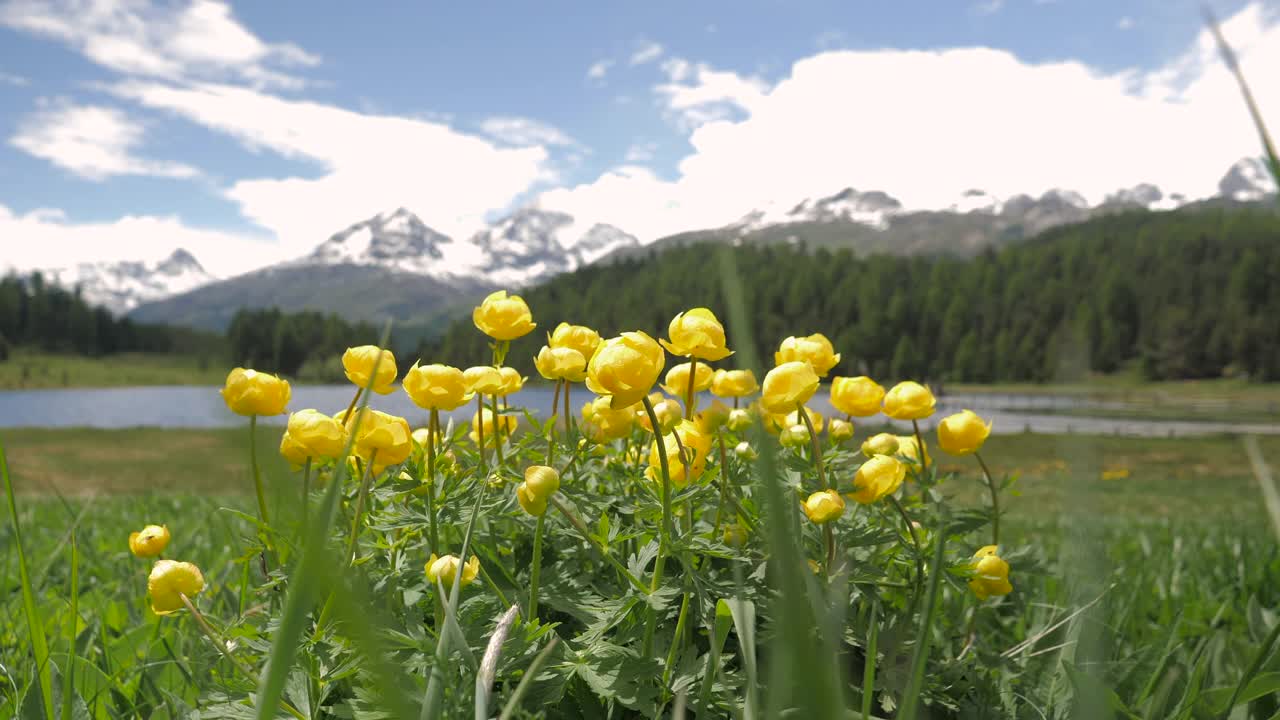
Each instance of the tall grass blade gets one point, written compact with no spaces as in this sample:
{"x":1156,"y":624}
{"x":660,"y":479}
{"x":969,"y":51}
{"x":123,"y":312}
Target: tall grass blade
{"x":489,"y":665}
{"x":39,"y":644}
{"x":69,"y":680}
{"x":535,"y":667}
{"x":1233,"y":64}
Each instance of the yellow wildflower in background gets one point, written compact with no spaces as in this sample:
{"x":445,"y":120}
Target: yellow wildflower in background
{"x":358,"y":363}
{"x":697,"y":334}
{"x":840,"y":430}
{"x":512,"y":381}
{"x":249,"y":392}
{"x":857,"y":396}
{"x":677,"y":379}
{"x":963,"y":433}
{"x":909,"y":400}
{"x":815,"y":349}
{"x":575,"y":337}
{"x":788,"y":385}
{"x":695,"y":442}
{"x":823,"y":506}
{"x":503,"y":317}
{"x":444,"y":569}
{"x":910,"y":449}
{"x":506,"y":423}
{"x":990,"y":574}
{"x":169,"y":581}
{"x":483,"y":379}
{"x":602,"y":423}
{"x":561,"y":363}
{"x":877,"y":477}
{"x":733,"y":383}
{"x":437,"y":387}
{"x":384,"y":439}
{"x":317,"y":435}
{"x":881,"y":444}
{"x":668,"y":412}
{"x":625,"y":368}
{"x":150,"y":541}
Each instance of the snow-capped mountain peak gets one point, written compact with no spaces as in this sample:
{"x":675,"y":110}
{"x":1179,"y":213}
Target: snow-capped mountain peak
{"x":1247,"y":180}
{"x":532,"y":243}
{"x":872,"y":208}
{"x":395,"y":239}
{"x":122,"y":286}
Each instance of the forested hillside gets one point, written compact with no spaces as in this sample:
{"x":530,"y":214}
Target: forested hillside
{"x":1184,"y":294}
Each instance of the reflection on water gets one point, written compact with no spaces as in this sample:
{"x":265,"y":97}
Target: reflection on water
{"x":185,"y":406}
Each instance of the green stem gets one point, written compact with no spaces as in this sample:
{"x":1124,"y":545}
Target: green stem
{"x":551,"y":432}
{"x":351,"y":408}
{"x":724,"y":482}
{"x":924,"y":456}
{"x":813,"y":441}
{"x":484,"y":463}
{"x":568,"y":414}
{"x":433,"y":429}
{"x":688,"y":398}
{"x":995,"y":500}
{"x":915,"y":541}
{"x":306,"y":494}
{"x":676,"y":642}
{"x":664,"y":530}
{"x":536,"y":572}
{"x":869,"y":667}
{"x":355,"y":522}
{"x":497,"y":435}
{"x":253,"y":465}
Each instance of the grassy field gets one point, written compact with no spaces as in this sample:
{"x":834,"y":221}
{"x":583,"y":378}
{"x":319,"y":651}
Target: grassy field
{"x":26,"y":370}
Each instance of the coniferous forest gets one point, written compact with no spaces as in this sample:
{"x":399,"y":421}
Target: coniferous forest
{"x":1184,"y":294}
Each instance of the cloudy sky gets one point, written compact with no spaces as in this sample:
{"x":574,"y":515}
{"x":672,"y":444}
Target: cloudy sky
{"x":249,"y":132}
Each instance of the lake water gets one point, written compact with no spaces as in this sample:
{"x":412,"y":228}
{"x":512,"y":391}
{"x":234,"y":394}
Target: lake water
{"x":202,"y":407}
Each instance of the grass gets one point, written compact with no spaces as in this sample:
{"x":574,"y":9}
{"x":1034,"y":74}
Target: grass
{"x":26,"y":370}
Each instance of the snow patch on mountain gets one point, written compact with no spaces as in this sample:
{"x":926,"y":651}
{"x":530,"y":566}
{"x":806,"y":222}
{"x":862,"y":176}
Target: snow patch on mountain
{"x":976,"y":201}
{"x":122,"y":286}
{"x":1246,"y":181}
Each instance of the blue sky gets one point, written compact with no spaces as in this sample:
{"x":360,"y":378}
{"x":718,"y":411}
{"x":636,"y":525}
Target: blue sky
{"x":250,"y":132}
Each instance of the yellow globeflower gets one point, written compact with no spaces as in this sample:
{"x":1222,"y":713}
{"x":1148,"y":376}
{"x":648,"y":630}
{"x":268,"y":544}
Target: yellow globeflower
{"x":713,"y":417}
{"x":625,"y":368}
{"x":909,"y":400}
{"x":697,"y":334}
{"x":506,"y":423}
{"x":879,"y":476}
{"x":815,"y":349}
{"x":739,"y":419}
{"x":857,"y":396}
{"x":541,"y":481}
{"x":529,"y":502}
{"x":150,"y":541}
{"x":503,"y":317}
{"x":840,"y":430}
{"x":483,"y":379}
{"x":695,"y":442}
{"x":669,"y":415}
{"x":293,"y":451}
{"x":990,"y":574}
{"x":444,"y":569}
{"x":962,"y":433}
{"x":359,"y":362}
{"x":677,"y":380}
{"x":793,"y":436}
{"x":604,"y":424}
{"x":910,"y":449}
{"x":733,"y":383}
{"x":437,"y":387}
{"x":561,"y":363}
{"x":169,"y":581}
{"x":512,"y":380}
{"x":815,"y":417}
{"x":788,"y":385}
{"x":384,"y":439}
{"x":882,"y":444}
{"x":249,"y":392}
{"x":823,"y":506}
{"x":575,"y":337}
{"x":317,"y":435}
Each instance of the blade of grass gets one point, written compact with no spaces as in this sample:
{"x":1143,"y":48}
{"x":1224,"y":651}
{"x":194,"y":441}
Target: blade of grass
{"x":39,"y":644}
{"x":69,"y":681}
{"x":1233,"y":64}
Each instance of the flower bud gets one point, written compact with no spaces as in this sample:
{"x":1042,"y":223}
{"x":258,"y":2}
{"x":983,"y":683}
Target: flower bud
{"x":169,"y":581}
{"x":739,"y":420}
{"x":150,"y":542}
{"x":745,"y":452}
{"x":881,"y":475}
{"x":541,"y":480}
{"x":990,"y":574}
{"x":823,"y":506}
{"x":794,"y":436}
{"x":882,"y":444}
{"x":962,"y":433}
{"x":734,"y":535}
{"x":839,"y":430}
{"x":533,"y":504}
{"x":909,"y":400}
{"x":443,"y":569}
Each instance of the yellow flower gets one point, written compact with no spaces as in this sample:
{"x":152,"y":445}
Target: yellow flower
{"x":962,"y":433}
{"x":733,"y":383}
{"x":823,"y":506}
{"x":882,"y":444}
{"x":788,"y":385}
{"x":857,"y":396}
{"x":483,"y":379}
{"x":169,"y":581}
{"x":150,"y":542}
{"x":512,"y":380}
{"x":668,"y":412}
{"x":815,"y":417}
{"x":506,"y":422}
{"x":603,"y":424}
{"x":712,"y":417}
{"x":561,"y":363}
{"x":840,"y":430}
{"x":445,"y":569}
{"x":292,"y":451}
{"x":625,"y":367}
{"x":794,"y":436}
{"x":541,"y":481}
{"x":697,"y":334}
{"x":677,"y":380}
{"x":531,"y":503}
{"x":910,"y":449}
{"x":815,"y":349}
{"x":575,"y":337}
{"x":384,"y":439}
{"x":879,"y":476}
{"x":734,"y":535}
{"x":695,"y":442}
{"x":359,"y":362}
{"x":317,"y":435}
{"x":503,"y":317}
{"x":990,"y":574}
{"x":908,"y":400}
{"x":739,"y":420}
{"x":249,"y":392}
{"x":437,"y":387}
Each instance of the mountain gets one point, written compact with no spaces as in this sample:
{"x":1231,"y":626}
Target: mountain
{"x":122,"y":286}
{"x":1247,"y":180}
{"x":394,"y":266}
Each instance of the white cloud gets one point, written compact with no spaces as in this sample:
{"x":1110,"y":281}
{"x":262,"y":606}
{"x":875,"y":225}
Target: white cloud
{"x":925,"y":126}
{"x":91,"y":141}
{"x":365,"y":163}
{"x":647,"y":53}
{"x":135,"y":37}
{"x":1124,"y":23}
{"x":14,"y":80}
{"x":697,"y":94}
{"x":524,"y":132}
{"x":47,"y":239}
{"x":599,"y":69}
